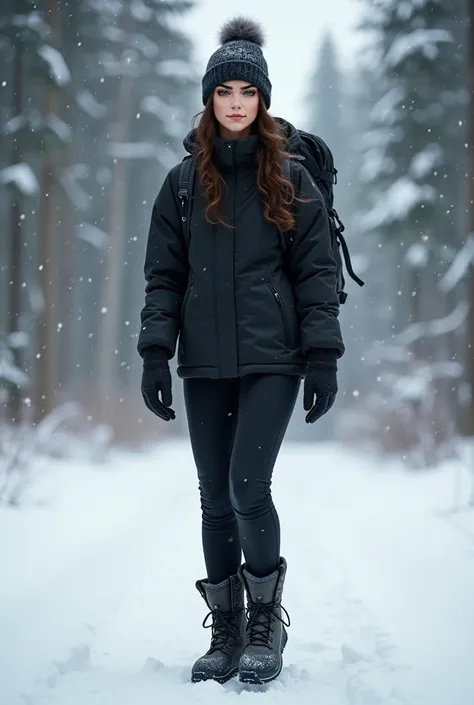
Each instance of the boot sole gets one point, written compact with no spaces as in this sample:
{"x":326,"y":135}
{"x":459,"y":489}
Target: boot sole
{"x":253,"y":678}
{"x":200,"y":677}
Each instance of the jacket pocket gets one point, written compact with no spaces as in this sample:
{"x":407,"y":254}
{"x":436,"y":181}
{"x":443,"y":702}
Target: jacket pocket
{"x":281,"y":307}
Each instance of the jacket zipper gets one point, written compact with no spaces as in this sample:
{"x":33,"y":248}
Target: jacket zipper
{"x":214,"y":297}
{"x":279,"y":301}
{"x":234,"y":224}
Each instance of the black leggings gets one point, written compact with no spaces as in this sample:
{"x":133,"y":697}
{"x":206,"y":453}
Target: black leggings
{"x":236,"y":428}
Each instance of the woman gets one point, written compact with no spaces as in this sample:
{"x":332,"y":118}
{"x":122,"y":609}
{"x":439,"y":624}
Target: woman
{"x":252,"y":320}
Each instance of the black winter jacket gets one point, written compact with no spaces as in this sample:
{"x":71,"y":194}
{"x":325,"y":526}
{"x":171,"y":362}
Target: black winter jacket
{"x":237,"y":301}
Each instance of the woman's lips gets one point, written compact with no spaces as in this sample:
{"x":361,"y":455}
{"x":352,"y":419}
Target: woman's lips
{"x":236,"y":117}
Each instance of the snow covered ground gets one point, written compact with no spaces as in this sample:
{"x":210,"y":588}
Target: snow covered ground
{"x":98,"y":605}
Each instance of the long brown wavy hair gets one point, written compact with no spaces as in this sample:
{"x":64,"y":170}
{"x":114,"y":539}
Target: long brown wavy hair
{"x":276,"y":193}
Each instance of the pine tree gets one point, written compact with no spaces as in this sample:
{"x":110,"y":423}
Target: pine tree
{"x":122,"y":85}
{"x":326,"y":102}
{"x":414,"y":147}
{"x":139,"y":81}
{"x":327,"y":109}
{"x":31,"y":136}
{"x":413,"y":168}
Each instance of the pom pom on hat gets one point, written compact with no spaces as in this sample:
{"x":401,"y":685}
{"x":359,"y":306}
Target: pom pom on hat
{"x":243,"y":29}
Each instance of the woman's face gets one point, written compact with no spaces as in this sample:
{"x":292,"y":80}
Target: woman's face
{"x":235,"y":98}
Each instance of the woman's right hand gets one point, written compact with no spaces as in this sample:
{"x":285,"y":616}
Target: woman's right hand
{"x":320,"y":385}
{"x":156,"y":380}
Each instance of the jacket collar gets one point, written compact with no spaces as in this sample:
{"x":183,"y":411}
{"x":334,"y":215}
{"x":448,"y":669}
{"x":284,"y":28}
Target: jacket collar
{"x":238,"y":153}
{"x":245,"y":148}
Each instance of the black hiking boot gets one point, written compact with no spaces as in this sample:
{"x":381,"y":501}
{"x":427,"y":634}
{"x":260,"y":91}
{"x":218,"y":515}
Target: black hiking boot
{"x":226,"y":602}
{"x":261,"y":660}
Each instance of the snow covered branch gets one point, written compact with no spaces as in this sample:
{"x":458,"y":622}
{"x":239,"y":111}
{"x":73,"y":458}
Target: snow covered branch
{"x":93,"y":235}
{"x":9,"y":372}
{"x":22,"y":177}
{"x":431,"y":329}
{"x":57,"y":66}
{"x":459,"y":267}
{"x":397,"y":202}
{"x":424,"y":41}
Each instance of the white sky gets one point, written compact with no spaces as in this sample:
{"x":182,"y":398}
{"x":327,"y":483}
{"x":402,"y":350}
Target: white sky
{"x":293,"y":34}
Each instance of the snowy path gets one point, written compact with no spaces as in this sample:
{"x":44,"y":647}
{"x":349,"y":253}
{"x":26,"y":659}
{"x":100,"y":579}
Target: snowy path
{"x":99,"y":607}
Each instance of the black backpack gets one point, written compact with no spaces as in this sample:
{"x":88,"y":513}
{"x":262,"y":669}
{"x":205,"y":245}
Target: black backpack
{"x":318,"y":161}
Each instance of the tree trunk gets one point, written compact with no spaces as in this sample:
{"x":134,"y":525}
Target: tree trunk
{"x":65,"y":295}
{"x":14,"y":277}
{"x":45,"y":379}
{"x":66,"y":248}
{"x":114,"y":265}
{"x":470,"y":205}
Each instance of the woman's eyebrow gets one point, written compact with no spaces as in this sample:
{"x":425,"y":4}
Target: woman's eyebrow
{"x":229,"y":88}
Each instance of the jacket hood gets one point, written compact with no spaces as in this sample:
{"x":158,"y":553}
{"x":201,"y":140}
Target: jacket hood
{"x":292,"y":145}
{"x":293,"y":139}
{"x":189,"y":142}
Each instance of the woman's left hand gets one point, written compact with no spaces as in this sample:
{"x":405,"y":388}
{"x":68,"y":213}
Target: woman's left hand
{"x":320,"y":385}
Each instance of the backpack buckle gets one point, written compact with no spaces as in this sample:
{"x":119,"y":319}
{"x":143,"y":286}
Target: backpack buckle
{"x":183,"y":194}
{"x":339,"y":224}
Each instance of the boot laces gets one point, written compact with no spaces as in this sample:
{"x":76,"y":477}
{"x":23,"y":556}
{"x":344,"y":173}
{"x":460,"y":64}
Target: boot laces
{"x":223,"y":626}
{"x":260,"y":618}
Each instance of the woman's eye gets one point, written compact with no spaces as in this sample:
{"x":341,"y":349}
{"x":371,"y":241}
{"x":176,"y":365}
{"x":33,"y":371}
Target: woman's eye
{"x":223,"y":92}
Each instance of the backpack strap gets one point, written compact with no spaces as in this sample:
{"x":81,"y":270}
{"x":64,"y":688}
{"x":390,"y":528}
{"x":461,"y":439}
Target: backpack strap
{"x":187,"y":172}
{"x":329,"y":176}
{"x":288,"y":172}
{"x":347,"y":257}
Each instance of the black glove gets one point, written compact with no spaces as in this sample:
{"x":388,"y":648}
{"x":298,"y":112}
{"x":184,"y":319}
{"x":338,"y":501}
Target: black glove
{"x":156,"y":378}
{"x":320,"y":380}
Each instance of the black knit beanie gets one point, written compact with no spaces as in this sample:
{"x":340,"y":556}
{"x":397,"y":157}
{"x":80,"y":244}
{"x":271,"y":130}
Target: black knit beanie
{"x":240,"y":58}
